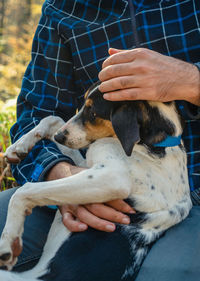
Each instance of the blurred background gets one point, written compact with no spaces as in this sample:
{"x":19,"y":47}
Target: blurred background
{"x":18,"y":21}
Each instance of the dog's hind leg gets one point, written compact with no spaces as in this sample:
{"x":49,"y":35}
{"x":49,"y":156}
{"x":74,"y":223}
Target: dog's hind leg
{"x":58,"y":233}
{"x":14,"y":276}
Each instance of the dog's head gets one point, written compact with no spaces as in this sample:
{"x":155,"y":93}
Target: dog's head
{"x":131,"y":122}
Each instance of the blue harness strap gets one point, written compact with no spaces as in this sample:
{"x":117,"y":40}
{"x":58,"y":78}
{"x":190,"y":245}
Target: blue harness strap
{"x":169,"y":142}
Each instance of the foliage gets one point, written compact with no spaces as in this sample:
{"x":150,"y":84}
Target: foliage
{"x":7,"y":119}
{"x":18,"y":20}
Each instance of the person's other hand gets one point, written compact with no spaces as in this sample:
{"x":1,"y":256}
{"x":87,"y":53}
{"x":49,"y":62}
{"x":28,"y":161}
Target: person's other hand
{"x":143,"y":74}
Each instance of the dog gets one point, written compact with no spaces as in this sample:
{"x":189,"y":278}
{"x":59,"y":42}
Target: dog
{"x":135,"y":153}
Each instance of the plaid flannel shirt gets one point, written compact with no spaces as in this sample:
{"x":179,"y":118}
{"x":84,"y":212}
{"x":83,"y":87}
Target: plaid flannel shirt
{"x":69,"y":47}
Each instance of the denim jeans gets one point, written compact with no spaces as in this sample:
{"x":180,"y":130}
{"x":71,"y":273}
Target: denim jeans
{"x":174,"y":257}
{"x":36,"y":229}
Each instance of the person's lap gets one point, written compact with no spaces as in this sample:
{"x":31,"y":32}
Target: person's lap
{"x":174,"y":257}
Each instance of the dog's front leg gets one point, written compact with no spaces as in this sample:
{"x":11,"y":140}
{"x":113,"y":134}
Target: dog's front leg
{"x":45,"y":129}
{"x":96,"y":184}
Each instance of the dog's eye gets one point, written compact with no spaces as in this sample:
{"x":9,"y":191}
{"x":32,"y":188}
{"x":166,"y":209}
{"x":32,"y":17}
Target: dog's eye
{"x":92,"y":115}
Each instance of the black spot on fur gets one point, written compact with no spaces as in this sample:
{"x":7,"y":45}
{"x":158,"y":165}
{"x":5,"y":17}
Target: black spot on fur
{"x":157,"y":227}
{"x":181,"y":211}
{"x":182,"y":179}
{"x":153,"y":187}
{"x":172,"y":213}
{"x":90,"y":177}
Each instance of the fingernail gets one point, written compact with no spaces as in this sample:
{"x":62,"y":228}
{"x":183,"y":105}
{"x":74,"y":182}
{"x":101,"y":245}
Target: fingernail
{"x":132,"y":212}
{"x":105,"y":96}
{"x":82,"y":226}
{"x":110,"y":227}
{"x":126,"y":220}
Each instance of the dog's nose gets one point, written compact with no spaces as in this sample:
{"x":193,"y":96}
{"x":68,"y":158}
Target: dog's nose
{"x":60,"y":137}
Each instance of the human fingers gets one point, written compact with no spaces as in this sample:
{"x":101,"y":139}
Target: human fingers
{"x":121,"y":206}
{"x":127,"y":94}
{"x":127,"y":56}
{"x":121,"y":69}
{"x":108,"y":213}
{"x":70,"y":221}
{"x":118,"y":57}
{"x":85,"y":216}
{"x":118,"y":83}
{"x":69,"y":218}
{"x":113,"y":51}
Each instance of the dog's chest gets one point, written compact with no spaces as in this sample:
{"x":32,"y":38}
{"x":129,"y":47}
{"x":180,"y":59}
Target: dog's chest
{"x":156,"y":182}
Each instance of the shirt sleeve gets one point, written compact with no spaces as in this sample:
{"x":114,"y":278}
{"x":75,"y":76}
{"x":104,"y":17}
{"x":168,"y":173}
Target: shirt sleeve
{"x":48,"y":88}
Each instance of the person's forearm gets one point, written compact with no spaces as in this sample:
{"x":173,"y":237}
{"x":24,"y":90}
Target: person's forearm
{"x":193,"y":92}
{"x":62,"y":170}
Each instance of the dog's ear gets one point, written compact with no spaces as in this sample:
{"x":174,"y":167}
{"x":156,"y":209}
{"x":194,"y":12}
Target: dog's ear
{"x":125,"y":124}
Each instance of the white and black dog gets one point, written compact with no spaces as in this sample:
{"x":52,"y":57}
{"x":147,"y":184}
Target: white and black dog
{"x":135,"y":153}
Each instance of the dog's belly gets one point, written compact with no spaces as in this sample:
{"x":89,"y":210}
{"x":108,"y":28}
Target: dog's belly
{"x":100,"y":256}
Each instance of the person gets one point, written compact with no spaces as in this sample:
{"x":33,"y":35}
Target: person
{"x":153,"y":54}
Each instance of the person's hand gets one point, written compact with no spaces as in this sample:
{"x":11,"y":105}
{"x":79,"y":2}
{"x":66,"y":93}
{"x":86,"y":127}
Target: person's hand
{"x":143,"y":74}
{"x":99,"y":216}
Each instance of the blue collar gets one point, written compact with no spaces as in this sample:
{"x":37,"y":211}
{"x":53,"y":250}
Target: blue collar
{"x":169,"y":142}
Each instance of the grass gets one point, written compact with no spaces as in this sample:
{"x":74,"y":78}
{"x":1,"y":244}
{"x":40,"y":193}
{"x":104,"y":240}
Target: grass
{"x":7,"y":119}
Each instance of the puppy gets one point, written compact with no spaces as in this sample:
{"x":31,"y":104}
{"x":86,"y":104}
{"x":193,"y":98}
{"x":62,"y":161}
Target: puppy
{"x":134,"y":153}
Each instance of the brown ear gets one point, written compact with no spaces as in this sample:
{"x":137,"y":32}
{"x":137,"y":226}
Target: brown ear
{"x":125,"y":124}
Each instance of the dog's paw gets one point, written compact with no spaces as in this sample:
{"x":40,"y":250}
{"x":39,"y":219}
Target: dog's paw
{"x":9,"y":253}
{"x":45,"y":129}
{"x":15,"y":153}
{"x":19,"y":150}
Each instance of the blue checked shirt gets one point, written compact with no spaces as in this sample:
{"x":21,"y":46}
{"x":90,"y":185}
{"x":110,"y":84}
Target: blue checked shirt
{"x":69,"y":47}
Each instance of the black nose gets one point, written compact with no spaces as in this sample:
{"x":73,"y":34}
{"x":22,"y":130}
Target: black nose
{"x":60,"y":137}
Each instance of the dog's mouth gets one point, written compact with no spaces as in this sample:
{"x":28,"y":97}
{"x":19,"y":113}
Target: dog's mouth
{"x":3,"y":267}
